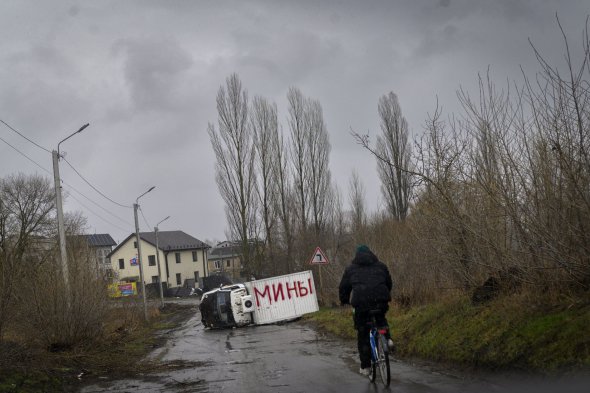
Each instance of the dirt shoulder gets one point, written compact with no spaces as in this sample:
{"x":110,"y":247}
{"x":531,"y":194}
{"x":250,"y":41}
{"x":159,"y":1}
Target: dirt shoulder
{"x":120,"y":354}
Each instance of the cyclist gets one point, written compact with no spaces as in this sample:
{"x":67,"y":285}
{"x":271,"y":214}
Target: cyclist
{"x":369,"y":281}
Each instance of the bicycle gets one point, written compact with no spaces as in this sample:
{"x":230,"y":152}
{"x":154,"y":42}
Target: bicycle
{"x":379,"y":351}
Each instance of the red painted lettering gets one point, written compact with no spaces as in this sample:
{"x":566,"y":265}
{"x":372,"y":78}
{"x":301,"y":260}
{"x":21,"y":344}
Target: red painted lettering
{"x":278,"y":290}
{"x":262,"y":295}
{"x":303,"y":291}
{"x":310,"y":286}
{"x":289,"y":289}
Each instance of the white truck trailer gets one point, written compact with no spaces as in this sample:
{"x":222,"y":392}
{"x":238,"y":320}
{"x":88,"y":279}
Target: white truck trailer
{"x":260,"y":302}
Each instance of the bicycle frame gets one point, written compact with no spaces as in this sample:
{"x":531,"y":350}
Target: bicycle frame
{"x":379,"y":360}
{"x":373,"y":337}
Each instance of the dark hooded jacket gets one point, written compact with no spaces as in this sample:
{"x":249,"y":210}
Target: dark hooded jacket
{"x":369,"y":281}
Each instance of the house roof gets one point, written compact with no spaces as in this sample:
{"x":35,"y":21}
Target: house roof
{"x":225,"y":252}
{"x":173,"y":240}
{"x":100,"y":240}
{"x":95,"y":240}
{"x":168,"y":241}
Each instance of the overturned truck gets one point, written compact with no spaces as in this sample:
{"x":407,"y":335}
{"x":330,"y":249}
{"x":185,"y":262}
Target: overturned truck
{"x":259,"y":302}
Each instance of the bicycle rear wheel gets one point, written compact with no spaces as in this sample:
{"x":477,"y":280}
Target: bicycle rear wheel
{"x":373,"y":372}
{"x":383,"y":360}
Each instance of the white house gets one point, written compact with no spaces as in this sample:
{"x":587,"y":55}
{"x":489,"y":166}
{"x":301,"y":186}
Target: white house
{"x":182,"y":257}
{"x":226,"y":257}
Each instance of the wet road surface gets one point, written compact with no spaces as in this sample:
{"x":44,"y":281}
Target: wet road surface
{"x":279,"y":358}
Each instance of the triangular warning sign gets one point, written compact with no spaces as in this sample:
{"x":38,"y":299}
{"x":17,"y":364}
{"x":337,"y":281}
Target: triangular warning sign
{"x":319,"y":258}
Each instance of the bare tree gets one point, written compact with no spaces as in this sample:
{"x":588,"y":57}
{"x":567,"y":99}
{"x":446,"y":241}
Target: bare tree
{"x":35,"y":305}
{"x":356,"y":197}
{"x":393,"y":145}
{"x":503,"y":190}
{"x":299,"y":131}
{"x":264,"y":124}
{"x":26,"y":208}
{"x":284,"y":202}
{"x":310,"y":150}
{"x":318,"y":180}
{"x":235,"y":172}
{"x":336,"y":242}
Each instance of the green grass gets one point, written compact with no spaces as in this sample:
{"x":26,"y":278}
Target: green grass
{"x":33,"y":381}
{"x":335,"y":321}
{"x":504,"y":334}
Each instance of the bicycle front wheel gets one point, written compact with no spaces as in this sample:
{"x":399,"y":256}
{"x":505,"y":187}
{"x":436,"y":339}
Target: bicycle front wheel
{"x":383,"y":360}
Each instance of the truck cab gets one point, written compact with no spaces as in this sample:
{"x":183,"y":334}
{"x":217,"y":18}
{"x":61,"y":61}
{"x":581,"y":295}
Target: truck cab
{"x":226,"y":306}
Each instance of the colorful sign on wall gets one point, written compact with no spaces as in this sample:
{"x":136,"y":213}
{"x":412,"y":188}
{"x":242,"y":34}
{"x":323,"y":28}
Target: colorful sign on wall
{"x":123,"y":289}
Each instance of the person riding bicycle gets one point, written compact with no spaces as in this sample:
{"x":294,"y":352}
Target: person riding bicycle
{"x":369,"y":281}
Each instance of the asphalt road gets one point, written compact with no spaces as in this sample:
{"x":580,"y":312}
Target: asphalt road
{"x":292,"y":358}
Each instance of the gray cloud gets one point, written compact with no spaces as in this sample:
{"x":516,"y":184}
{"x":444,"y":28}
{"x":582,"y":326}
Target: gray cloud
{"x":440,"y":41}
{"x":145,"y":75}
{"x":37,"y":87}
{"x":155,"y":70}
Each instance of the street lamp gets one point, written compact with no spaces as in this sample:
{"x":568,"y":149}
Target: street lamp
{"x":158,"y":261}
{"x":137,"y":240}
{"x":60,"y":213}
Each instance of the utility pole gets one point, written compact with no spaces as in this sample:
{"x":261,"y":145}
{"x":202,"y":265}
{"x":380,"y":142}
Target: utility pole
{"x":60,"y":222}
{"x":158,"y":262}
{"x":139,"y":261}
{"x":60,"y":214}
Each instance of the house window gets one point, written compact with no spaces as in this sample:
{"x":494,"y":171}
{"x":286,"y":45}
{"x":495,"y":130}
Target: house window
{"x":135,"y":244}
{"x":178,"y":279}
{"x":195,"y":256}
{"x":152,"y":260}
{"x":155,"y":280}
{"x":177,"y":255}
{"x":228,"y":263}
{"x":121,"y":263}
{"x":217,"y":264}
{"x":196,"y":278}
{"x":102,"y":255}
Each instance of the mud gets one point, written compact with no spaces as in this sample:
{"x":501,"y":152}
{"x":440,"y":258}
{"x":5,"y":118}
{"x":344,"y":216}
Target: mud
{"x":292,"y":357}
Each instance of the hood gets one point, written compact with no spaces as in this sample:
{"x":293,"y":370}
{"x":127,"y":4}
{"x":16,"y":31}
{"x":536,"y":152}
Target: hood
{"x":365,"y":258}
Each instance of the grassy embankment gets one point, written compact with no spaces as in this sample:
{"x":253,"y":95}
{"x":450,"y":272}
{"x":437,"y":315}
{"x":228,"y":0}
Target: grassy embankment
{"x":119,"y":354}
{"x":508,"y":333}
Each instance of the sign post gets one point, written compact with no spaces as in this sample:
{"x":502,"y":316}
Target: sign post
{"x":319,"y":258}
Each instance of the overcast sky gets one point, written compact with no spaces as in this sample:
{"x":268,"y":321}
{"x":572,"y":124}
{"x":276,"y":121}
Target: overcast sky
{"x":145,"y":75}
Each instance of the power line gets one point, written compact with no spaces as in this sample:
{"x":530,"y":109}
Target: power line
{"x":34,"y":143}
{"x":98,"y":205}
{"x":72,"y":188}
{"x":24,"y":155}
{"x":98,"y":215}
{"x":41,"y":147}
{"x":94,"y":188}
{"x":144,"y":219}
{"x":47,"y":150}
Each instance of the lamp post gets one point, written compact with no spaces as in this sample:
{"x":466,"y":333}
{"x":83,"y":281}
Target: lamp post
{"x":158,"y":262}
{"x":137,"y":240}
{"x":60,"y":213}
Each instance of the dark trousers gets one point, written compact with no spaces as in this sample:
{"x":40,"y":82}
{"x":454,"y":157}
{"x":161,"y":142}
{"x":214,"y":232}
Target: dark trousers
{"x":362,"y":324}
